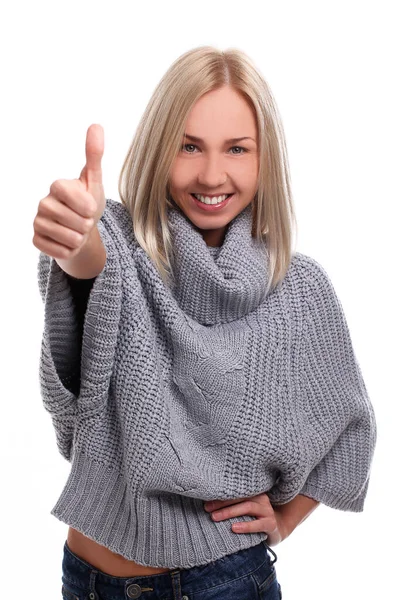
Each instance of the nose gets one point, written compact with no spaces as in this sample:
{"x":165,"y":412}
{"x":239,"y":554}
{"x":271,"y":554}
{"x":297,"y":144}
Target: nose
{"x":212,"y":175}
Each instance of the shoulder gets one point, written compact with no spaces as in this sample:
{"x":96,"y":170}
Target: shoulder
{"x":117,"y":221}
{"x":116,"y":212}
{"x":316,"y":296}
{"x":309,"y":276}
{"x":310,"y":288}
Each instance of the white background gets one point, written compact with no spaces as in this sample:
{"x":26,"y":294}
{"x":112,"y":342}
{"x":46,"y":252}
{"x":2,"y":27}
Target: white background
{"x":333,"y":69}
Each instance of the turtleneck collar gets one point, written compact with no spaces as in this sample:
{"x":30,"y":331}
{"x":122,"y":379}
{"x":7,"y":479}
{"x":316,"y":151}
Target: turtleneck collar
{"x":218,"y":287}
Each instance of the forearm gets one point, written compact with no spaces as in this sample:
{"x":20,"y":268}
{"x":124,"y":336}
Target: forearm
{"x":294,"y":512}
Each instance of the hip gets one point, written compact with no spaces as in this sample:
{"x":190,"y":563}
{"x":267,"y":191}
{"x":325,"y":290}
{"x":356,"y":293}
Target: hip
{"x":105,"y":560}
{"x":248,"y":574}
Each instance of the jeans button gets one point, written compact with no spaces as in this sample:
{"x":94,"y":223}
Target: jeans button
{"x":134,"y":590}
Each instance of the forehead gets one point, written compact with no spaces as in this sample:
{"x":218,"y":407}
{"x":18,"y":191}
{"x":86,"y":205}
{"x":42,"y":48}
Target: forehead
{"x":223,"y":111}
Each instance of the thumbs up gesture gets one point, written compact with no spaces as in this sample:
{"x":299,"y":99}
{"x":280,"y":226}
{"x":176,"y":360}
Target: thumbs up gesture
{"x":68,"y":215}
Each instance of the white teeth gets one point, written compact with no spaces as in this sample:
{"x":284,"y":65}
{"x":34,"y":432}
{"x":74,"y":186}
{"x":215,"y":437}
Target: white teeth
{"x":208,"y":200}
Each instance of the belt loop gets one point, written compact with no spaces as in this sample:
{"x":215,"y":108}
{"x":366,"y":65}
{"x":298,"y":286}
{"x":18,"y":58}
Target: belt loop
{"x":176,"y":583}
{"x":93,"y":594}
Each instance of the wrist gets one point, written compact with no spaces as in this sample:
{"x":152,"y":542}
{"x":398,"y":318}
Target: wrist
{"x":283,"y":522}
{"x":291,"y":514}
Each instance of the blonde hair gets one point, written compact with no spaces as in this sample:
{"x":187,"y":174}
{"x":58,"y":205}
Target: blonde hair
{"x":143,"y":182}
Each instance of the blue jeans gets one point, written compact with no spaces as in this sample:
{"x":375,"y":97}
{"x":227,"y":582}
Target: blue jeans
{"x":246,"y":575}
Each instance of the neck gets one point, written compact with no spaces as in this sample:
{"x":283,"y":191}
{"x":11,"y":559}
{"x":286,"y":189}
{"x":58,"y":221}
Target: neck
{"x":213,"y":237}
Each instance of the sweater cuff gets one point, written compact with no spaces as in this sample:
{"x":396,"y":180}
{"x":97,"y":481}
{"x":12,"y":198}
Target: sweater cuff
{"x":330,"y":498}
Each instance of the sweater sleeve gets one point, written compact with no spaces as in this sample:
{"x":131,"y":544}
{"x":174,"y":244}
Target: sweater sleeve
{"x":340,"y":416}
{"x":77,"y":352}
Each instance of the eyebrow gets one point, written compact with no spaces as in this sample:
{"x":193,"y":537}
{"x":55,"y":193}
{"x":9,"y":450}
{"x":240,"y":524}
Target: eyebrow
{"x":230,"y":141}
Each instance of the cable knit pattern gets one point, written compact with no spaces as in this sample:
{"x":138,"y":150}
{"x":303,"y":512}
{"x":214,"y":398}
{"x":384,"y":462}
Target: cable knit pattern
{"x":210,"y":389}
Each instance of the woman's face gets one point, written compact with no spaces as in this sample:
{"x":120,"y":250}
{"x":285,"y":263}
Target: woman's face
{"x":214,"y":164}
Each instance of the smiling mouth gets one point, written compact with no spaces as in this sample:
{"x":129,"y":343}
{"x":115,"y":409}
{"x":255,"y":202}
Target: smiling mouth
{"x":211,"y":200}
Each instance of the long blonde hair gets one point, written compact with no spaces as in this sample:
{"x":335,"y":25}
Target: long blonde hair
{"x":143,"y":182}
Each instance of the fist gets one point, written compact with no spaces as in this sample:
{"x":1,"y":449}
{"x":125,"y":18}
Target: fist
{"x":68,"y":214}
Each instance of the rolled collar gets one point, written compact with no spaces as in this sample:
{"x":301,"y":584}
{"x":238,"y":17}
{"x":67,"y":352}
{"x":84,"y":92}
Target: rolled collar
{"x":218,"y":288}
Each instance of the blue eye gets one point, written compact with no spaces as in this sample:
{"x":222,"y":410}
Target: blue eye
{"x":236,"y":153}
{"x":186,"y":145}
{"x":240,"y":148}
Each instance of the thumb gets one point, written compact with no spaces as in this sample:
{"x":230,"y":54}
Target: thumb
{"x":91,"y":173}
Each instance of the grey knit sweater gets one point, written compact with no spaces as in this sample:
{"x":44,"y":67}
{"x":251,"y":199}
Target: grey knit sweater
{"x":211,"y":389}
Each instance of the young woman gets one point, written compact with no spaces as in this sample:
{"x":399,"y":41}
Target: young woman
{"x":199,"y":372}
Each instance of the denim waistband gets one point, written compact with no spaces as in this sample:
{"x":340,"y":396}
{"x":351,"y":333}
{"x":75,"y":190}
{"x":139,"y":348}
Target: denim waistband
{"x":231,"y":567}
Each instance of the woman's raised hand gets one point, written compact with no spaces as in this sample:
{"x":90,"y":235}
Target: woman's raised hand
{"x":67,"y":216}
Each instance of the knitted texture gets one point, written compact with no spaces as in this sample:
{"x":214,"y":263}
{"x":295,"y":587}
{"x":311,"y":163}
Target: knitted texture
{"x":210,"y":389}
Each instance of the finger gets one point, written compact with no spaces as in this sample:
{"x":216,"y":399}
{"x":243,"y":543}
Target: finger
{"x":65,"y":198}
{"x":91,"y":173}
{"x":50,"y":247}
{"x":238,"y":510}
{"x":70,"y":238}
{"x":255,"y":526}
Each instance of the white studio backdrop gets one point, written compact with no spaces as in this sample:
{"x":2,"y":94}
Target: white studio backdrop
{"x":333,"y":69}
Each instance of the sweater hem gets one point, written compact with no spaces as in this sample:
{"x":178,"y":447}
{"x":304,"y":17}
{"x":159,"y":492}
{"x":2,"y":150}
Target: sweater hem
{"x":170,"y":530}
